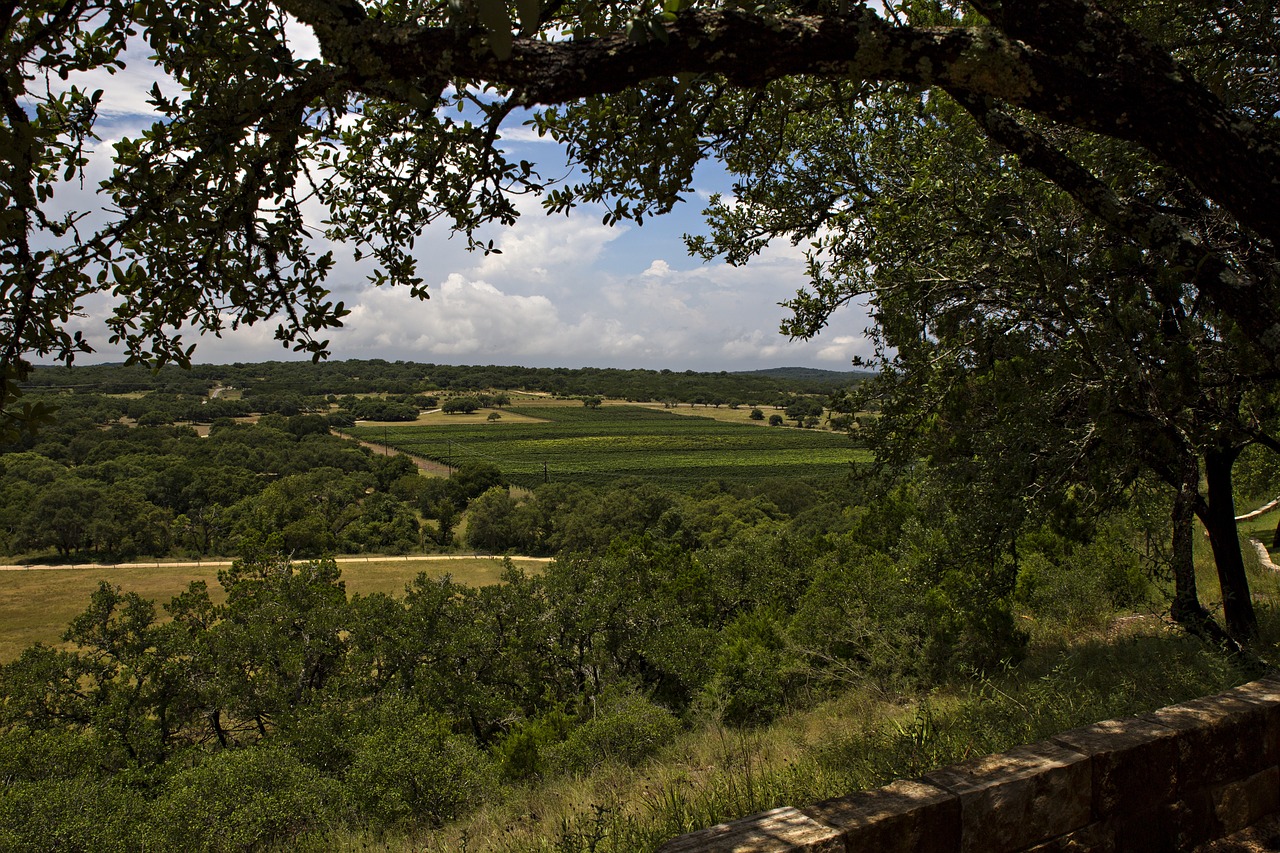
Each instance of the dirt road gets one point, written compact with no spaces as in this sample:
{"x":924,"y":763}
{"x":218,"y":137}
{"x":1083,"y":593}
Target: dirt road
{"x":162,"y":564}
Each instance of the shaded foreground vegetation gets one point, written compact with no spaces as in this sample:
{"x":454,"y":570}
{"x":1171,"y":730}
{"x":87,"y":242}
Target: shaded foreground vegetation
{"x":803,"y":656}
{"x":294,"y":717}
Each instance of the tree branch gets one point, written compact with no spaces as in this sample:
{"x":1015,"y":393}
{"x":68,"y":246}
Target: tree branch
{"x":1247,"y":301}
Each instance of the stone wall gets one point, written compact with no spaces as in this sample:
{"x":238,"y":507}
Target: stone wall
{"x":1167,"y":781}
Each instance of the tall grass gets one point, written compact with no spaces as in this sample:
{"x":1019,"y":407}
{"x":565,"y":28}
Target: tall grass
{"x":861,"y":739}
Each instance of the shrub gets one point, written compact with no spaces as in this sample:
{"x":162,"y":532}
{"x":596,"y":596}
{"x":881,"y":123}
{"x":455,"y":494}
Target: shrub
{"x":1085,"y":586}
{"x":971,"y":627}
{"x":626,"y":728}
{"x":245,"y":798}
{"x":523,"y":752}
{"x":72,"y":814}
{"x":860,"y":619}
{"x":754,"y":670}
{"x":412,"y":769}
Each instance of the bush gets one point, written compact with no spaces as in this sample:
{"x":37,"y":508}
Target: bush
{"x":971,"y":628}
{"x":523,"y":752}
{"x":860,"y":619}
{"x":626,"y":729}
{"x":754,"y":670}
{"x":412,"y":769}
{"x":1084,"y":587}
{"x":245,"y":798}
{"x":75,"y":814}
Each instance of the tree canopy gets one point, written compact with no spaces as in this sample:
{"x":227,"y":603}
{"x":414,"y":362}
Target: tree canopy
{"x":206,"y":227}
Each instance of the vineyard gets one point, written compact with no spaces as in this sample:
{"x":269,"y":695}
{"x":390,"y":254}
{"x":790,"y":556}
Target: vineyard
{"x":592,"y":446}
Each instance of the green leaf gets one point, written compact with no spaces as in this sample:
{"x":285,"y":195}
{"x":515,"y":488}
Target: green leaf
{"x":529,"y":11}
{"x":497,"y":21}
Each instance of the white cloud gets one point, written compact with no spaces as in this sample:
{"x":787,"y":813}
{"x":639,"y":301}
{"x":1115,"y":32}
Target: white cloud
{"x":658,"y":269}
{"x":566,"y":290}
{"x":843,"y":348}
{"x":542,"y":249}
{"x":524,"y":133}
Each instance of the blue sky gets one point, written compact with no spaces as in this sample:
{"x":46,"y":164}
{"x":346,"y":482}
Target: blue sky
{"x":566,"y":290}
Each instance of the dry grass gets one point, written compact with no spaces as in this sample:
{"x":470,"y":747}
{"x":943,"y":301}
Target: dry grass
{"x":724,"y":414}
{"x":700,"y":763}
{"x":37,"y":604}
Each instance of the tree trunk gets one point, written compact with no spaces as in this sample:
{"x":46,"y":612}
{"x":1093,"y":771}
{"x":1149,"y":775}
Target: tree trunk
{"x":1187,"y":610}
{"x":1219,"y":517}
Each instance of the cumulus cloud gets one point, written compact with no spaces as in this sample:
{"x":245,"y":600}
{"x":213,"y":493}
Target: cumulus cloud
{"x":565,"y":290}
{"x":538,"y":249}
{"x":843,"y":348}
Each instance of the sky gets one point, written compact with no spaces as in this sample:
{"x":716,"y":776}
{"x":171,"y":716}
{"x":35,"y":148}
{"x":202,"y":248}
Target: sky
{"x":566,"y":291}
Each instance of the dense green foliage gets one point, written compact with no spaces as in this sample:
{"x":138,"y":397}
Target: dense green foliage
{"x":288,"y":710}
{"x":122,"y":492}
{"x":598,"y":445}
{"x":292,"y":709}
{"x":389,"y":713}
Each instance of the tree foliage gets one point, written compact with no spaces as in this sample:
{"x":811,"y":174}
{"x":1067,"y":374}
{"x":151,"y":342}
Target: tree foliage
{"x":207,"y":231}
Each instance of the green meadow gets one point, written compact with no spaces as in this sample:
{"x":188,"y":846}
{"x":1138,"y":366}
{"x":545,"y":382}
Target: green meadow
{"x":595,"y":446}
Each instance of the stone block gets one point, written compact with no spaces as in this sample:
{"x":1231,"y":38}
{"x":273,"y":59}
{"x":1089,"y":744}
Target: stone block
{"x":1170,"y":828}
{"x":1133,"y":762}
{"x":1220,"y":739}
{"x":1237,"y":805}
{"x":781,"y":830}
{"x":902,"y":817}
{"x":1094,"y":838}
{"x":1019,"y":798}
{"x":1265,"y":692}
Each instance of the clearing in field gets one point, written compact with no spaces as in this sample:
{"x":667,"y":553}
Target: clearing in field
{"x":591,"y":446}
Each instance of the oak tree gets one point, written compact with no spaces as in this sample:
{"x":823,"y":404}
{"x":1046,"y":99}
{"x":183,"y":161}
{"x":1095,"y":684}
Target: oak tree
{"x":204,"y":227}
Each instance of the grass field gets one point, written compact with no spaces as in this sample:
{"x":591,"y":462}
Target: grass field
{"x":577,"y":444}
{"x":37,"y":604}
{"x":1262,"y":527}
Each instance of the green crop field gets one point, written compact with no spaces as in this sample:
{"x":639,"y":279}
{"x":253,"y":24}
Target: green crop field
{"x":582,"y":445}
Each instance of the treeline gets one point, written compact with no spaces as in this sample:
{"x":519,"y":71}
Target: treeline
{"x":123,"y":493}
{"x":292,"y":708}
{"x":377,"y":376}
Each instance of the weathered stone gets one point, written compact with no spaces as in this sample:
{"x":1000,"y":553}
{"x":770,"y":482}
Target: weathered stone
{"x":1018,"y":798}
{"x":778,"y":831}
{"x":1151,"y":831}
{"x":1237,"y":805}
{"x":1220,"y":738}
{"x":1265,"y":692}
{"x":1094,"y":838}
{"x":1133,"y":763}
{"x":902,"y":817}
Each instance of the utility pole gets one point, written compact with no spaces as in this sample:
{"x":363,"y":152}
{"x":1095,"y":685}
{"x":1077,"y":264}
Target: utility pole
{"x":546,"y":478}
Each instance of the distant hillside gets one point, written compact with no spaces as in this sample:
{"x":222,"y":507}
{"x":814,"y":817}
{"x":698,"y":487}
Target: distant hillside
{"x":810,"y":374}
{"x":303,"y":386}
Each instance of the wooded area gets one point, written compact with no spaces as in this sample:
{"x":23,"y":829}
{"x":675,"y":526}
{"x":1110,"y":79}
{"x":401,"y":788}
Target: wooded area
{"x":1063,"y":214}
{"x":283,"y":709}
